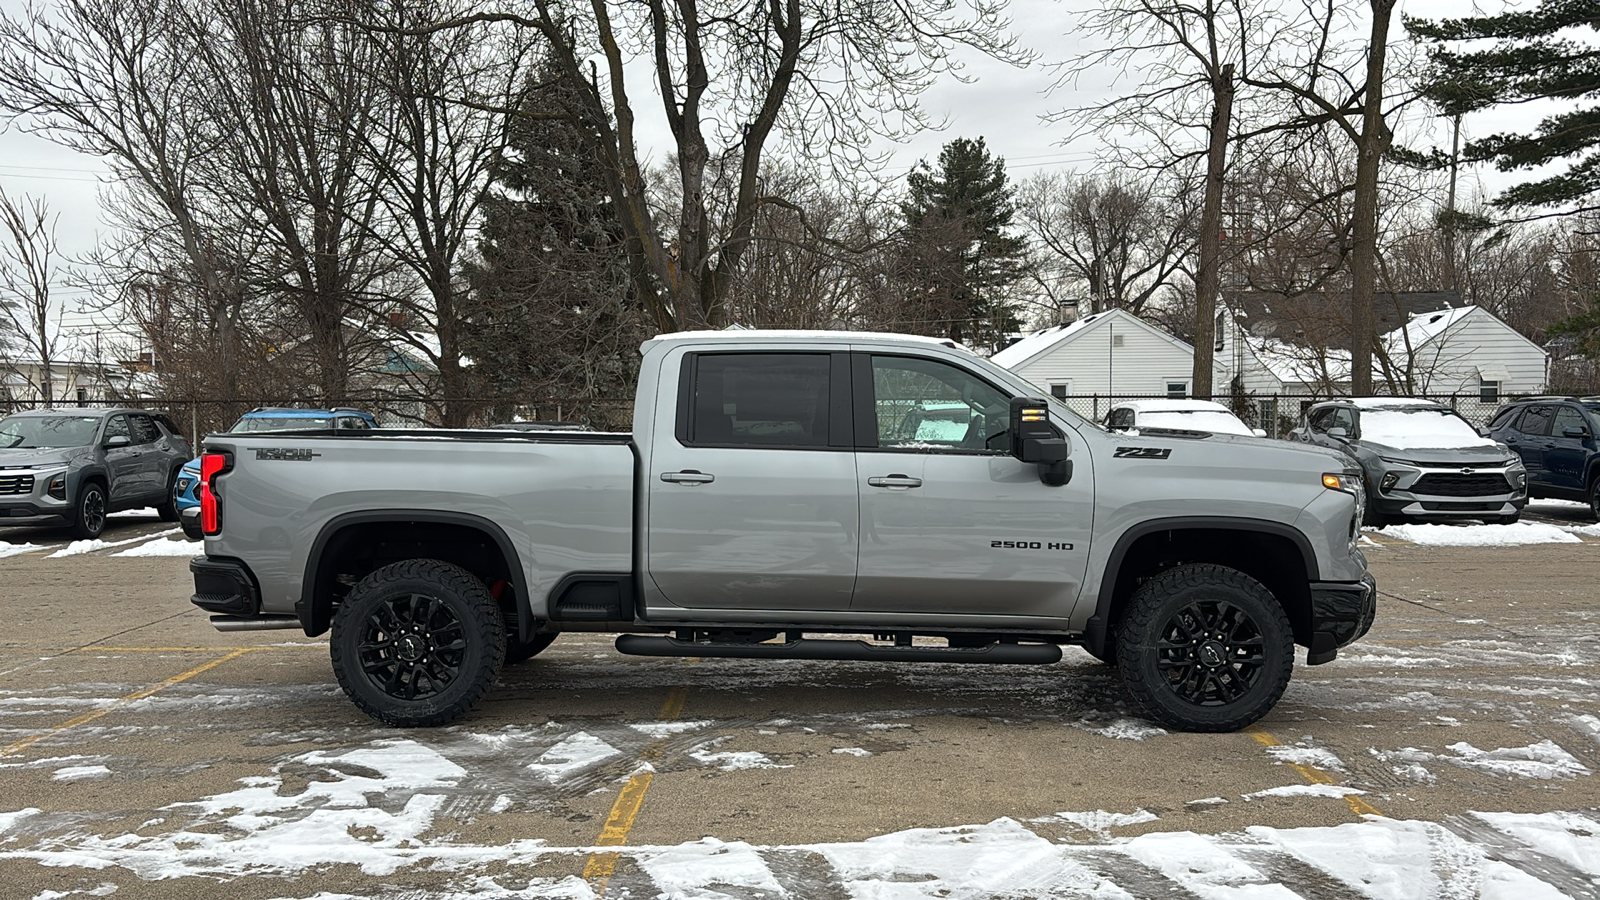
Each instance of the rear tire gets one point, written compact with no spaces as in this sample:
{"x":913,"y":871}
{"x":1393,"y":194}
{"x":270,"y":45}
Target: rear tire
{"x":89,"y":514}
{"x":417,"y":643}
{"x":1594,"y":497}
{"x":518,"y":650}
{"x":168,"y":509}
{"x":1205,"y":648}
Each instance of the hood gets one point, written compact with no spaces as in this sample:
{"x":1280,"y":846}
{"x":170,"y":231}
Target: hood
{"x":43,"y":456}
{"x":1481,"y":452}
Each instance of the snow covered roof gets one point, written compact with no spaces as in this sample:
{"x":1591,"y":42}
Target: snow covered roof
{"x":744,"y":335}
{"x":1292,"y":364}
{"x":1393,"y":403}
{"x":1046,"y":339}
{"x":1165,"y":405}
{"x":1424,"y":327}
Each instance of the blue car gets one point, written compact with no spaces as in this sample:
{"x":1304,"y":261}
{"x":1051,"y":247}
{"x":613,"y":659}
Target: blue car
{"x":271,"y":419}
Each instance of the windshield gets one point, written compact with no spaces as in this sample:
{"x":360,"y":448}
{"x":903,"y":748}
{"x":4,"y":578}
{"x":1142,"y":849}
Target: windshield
{"x":1211,"y":420}
{"x":1431,"y":428}
{"x":282,"y":423}
{"x":23,"y":432}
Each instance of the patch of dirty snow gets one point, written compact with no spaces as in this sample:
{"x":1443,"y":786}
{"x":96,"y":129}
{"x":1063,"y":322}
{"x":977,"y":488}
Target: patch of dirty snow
{"x":1000,"y":859}
{"x":17,"y":549}
{"x":166,"y":547}
{"x":80,"y":773}
{"x":1586,"y":724}
{"x":1585,"y":530}
{"x":852,"y":751}
{"x":1305,"y":790}
{"x":1100,"y":822}
{"x":104,"y":889}
{"x":885,"y":726}
{"x":1306,"y":756}
{"x":1482,"y":535}
{"x":1204,"y":867}
{"x":1570,"y":837}
{"x":732,"y":761}
{"x":149,"y":512}
{"x":1206,"y":801}
{"x":659,"y":730}
{"x":1121,"y":729}
{"x":681,"y":870}
{"x":572,"y":755}
{"x":8,"y":819}
{"x":1544,"y":760}
{"x":501,"y":804}
{"x":92,"y":545}
{"x":1387,"y":859}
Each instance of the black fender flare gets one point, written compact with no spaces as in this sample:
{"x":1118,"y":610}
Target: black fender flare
{"x":1094,"y":632}
{"x":315,"y":618}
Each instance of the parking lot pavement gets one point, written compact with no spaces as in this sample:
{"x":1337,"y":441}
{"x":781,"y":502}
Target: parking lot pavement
{"x":1451,"y":753}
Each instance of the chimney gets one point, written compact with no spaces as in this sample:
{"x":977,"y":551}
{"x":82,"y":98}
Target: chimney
{"x":1069,"y":312}
{"x":397,"y":320}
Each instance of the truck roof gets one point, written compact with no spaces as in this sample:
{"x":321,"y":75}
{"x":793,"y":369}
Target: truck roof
{"x":748,"y":335}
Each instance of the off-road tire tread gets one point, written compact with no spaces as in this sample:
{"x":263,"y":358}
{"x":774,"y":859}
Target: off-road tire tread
{"x":520,"y":651}
{"x":479,"y":608}
{"x":1139,"y":620}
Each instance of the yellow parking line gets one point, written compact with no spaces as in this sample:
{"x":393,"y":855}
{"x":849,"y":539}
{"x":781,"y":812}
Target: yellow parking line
{"x":1315,"y":775}
{"x":136,"y":695}
{"x":602,"y":866}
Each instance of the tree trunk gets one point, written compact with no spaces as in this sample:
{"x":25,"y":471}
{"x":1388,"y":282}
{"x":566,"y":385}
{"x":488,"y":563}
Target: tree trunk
{"x":1364,"y":230}
{"x":1208,"y":285}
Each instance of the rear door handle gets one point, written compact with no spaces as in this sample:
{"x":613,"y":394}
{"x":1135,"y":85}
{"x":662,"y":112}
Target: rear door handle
{"x":688,"y":476}
{"x":894,"y":481}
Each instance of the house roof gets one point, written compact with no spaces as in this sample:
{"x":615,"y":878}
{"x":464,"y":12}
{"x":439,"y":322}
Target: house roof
{"x":1291,"y":316}
{"x":1047,"y":339}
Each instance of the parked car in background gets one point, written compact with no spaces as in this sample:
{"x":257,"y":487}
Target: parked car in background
{"x":1420,"y":459}
{"x":73,"y":467}
{"x":1179,"y":415}
{"x":1555,"y":437}
{"x":271,"y":419}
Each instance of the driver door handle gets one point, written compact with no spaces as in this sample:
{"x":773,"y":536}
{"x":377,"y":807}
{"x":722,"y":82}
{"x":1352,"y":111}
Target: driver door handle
{"x":688,"y":476}
{"x":894,"y":481}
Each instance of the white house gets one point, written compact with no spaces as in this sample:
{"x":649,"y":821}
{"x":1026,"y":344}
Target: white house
{"x":1112,"y":353}
{"x":1453,"y":351}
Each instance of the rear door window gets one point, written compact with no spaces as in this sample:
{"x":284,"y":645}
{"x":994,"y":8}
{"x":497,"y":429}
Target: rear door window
{"x":144,"y":430}
{"x":760,"y":400}
{"x":1536,"y":420}
{"x":1567,"y":417}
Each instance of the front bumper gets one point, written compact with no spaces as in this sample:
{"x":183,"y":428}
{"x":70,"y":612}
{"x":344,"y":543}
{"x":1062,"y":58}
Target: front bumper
{"x":1341,"y":612}
{"x":1498,"y":491}
{"x":27,"y":501}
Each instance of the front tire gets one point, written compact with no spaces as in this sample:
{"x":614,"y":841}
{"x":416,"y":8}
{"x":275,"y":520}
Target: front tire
{"x":1205,"y":648}
{"x":417,"y":643}
{"x":89,"y":515}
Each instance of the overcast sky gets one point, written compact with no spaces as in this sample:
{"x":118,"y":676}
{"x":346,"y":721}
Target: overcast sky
{"x":1001,"y":103}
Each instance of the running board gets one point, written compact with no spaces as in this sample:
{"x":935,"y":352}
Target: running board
{"x":1016,"y":654}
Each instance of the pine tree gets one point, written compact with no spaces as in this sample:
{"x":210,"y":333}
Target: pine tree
{"x":960,"y":256}
{"x":1533,"y":58}
{"x":554,"y":316}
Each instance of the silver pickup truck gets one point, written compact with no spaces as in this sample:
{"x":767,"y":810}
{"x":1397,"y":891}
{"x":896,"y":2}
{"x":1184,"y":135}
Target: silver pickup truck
{"x":796,"y":495}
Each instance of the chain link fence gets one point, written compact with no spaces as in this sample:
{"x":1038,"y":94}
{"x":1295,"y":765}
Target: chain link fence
{"x":1278,"y":414}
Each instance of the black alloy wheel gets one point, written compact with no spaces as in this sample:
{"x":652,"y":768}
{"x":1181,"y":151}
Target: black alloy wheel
{"x":417,"y":643}
{"x":90,"y":518}
{"x":1205,"y":648}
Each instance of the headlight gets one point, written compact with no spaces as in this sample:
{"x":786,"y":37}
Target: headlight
{"x":58,"y":486}
{"x":1349,"y":482}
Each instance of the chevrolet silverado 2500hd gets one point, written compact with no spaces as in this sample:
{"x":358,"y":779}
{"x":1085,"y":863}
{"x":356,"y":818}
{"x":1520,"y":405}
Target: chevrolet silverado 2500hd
{"x":784,"y":495}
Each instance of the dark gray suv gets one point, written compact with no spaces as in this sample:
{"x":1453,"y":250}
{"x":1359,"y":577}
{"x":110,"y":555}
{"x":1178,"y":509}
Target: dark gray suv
{"x":1420,"y":460}
{"x":72,"y":467}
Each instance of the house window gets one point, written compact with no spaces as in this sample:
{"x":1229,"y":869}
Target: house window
{"x":1060,"y":390}
{"x":1489,"y":391}
{"x":1177,"y":390}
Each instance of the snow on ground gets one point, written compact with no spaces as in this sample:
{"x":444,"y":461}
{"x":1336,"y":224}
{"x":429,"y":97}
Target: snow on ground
{"x":80,"y":773}
{"x":375,"y":807}
{"x":659,"y":730}
{"x":1122,"y":729}
{"x":1479,"y":535}
{"x":1307,"y":756}
{"x":148,"y":512}
{"x":166,"y":547}
{"x":1305,"y":790}
{"x":16,"y":549}
{"x":77,"y":548}
{"x":731,"y":761}
{"x":1544,"y":760}
{"x":573,"y":755}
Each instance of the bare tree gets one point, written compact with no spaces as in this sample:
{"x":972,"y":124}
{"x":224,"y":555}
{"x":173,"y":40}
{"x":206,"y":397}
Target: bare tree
{"x":1112,"y":237}
{"x":28,"y":254}
{"x":1192,"y":57}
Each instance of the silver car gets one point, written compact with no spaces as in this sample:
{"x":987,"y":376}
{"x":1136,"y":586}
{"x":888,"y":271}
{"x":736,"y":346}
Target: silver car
{"x":1420,"y":460}
{"x":73,"y":467}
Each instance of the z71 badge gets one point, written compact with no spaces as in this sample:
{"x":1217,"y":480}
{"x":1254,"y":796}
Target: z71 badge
{"x":1143,"y":452}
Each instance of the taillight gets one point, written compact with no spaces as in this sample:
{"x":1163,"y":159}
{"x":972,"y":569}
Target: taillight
{"x":211,"y":465}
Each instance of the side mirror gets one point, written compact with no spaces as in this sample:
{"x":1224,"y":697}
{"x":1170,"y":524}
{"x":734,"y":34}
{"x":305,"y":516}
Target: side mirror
{"x":1339,"y":433}
{"x":118,"y":440}
{"x":1033,"y":440}
{"x":1259,"y":432}
{"x":1483,"y":430}
{"x":1576,"y":433}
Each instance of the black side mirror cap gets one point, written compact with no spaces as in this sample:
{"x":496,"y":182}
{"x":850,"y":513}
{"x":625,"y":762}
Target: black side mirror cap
{"x":1034,"y":440}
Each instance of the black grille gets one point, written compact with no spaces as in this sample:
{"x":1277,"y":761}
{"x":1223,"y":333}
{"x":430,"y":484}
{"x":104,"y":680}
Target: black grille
{"x":16,"y":484}
{"x":1440,"y":484}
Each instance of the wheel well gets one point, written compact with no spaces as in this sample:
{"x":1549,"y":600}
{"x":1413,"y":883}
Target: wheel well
{"x":351,"y":552}
{"x":1273,"y":560}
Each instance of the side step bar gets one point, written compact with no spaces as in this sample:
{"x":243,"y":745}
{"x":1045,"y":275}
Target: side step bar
{"x":1016,"y":654}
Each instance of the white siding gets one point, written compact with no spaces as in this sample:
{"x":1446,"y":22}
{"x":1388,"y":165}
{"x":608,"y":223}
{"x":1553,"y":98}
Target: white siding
{"x":1091,"y":362}
{"x":1449,"y":363}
